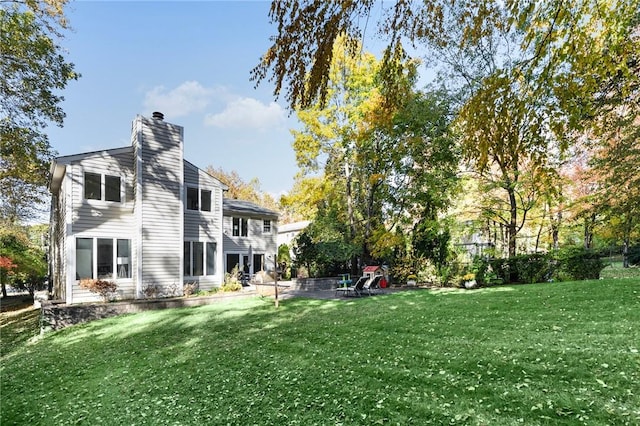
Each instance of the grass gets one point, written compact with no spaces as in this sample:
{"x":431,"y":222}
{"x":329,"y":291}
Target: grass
{"x":547,"y":354}
{"x":19,"y":322}
{"x":615,"y":270}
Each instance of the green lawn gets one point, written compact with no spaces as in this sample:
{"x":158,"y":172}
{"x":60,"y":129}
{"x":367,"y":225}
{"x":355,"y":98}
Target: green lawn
{"x":615,"y":270}
{"x":561,"y":353}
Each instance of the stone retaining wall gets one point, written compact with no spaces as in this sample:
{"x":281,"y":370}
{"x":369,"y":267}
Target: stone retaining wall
{"x":327,"y":283}
{"x":56,"y":316}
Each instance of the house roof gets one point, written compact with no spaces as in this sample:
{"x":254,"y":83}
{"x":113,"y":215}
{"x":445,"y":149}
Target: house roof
{"x":58,"y":164}
{"x":292,"y":227}
{"x":213,"y":178}
{"x":230,"y":206}
{"x":371,"y":268}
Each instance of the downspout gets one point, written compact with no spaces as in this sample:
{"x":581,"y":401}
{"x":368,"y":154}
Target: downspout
{"x":137,"y":135}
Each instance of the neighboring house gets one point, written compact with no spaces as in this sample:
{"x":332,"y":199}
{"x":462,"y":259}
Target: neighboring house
{"x":250,"y":236}
{"x":288,"y":232}
{"x":140,"y":215}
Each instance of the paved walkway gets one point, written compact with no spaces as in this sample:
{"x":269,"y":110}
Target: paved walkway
{"x":286,"y":293}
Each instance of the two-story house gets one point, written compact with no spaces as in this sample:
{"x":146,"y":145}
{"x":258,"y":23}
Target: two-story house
{"x":143,"y":217}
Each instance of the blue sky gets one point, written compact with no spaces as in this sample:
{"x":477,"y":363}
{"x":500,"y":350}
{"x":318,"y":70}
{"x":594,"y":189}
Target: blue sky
{"x":189,"y":60}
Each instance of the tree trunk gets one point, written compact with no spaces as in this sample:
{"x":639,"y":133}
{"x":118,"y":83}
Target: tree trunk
{"x":588,"y":231}
{"x":512,"y":229}
{"x":352,"y":227}
{"x":2,"y":282}
{"x":555,"y":230}
{"x":626,"y":241}
{"x":625,"y":252}
{"x":544,"y":216}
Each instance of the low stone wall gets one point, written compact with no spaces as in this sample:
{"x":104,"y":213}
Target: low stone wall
{"x":56,"y":316}
{"x":327,"y":283}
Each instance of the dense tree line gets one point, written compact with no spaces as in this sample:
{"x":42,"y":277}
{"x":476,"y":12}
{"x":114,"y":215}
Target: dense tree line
{"x":526,"y":87}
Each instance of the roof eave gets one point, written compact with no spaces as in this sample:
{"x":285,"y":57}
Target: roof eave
{"x":57,"y":171}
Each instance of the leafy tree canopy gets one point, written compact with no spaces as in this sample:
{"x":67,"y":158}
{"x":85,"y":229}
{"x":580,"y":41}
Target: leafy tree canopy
{"x":239,"y":189}
{"x":573,"y":44}
{"x":33,"y":72}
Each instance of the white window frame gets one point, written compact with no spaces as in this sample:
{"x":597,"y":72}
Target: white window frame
{"x":205,"y":259}
{"x":241,"y":221}
{"x":103,"y":187}
{"x":266,"y":226}
{"x":115,"y":259}
{"x":199,"y":192}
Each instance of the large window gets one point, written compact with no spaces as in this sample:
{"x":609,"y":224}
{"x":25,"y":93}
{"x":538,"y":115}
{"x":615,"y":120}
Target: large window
{"x":112,"y":188}
{"x":212,"y":254}
{"x":258,"y":260}
{"x":105,"y":258}
{"x":205,"y":200}
{"x":198,"y":200}
{"x":196,"y":258}
{"x":240,"y":227}
{"x":123,"y":259}
{"x":192,"y":198}
{"x":93,"y":187}
{"x":84,"y":258}
{"x":96,"y":257}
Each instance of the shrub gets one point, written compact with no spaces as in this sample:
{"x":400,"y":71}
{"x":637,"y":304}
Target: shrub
{"x":190,"y":288}
{"x":524,"y":268}
{"x":150,"y":291}
{"x":634,"y":255}
{"x":231,"y":286}
{"x":104,"y":288}
{"x":231,"y":281}
{"x":578,"y":263}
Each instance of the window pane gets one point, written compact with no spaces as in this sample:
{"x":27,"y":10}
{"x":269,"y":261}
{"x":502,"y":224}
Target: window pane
{"x":192,"y":198}
{"x":112,"y":188}
{"x":257,"y":263}
{"x":198,"y":258}
{"x":187,"y":259}
{"x":244,"y":231}
{"x":236,"y":227}
{"x":232,"y":261}
{"x":105,"y":258}
{"x":266,"y":226}
{"x":211,"y":258}
{"x":205,"y":200}
{"x":123,"y":259}
{"x":92,"y":186}
{"x":84,"y":258}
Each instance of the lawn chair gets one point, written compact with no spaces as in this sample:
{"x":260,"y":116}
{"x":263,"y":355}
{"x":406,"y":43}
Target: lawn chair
{"x":356,"y":288}
{"x":372,"y":286}
{"x":345,"y":280}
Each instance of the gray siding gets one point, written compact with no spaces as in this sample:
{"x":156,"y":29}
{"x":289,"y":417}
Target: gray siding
{"x":259,"y":242}
{"x":256,"y":238}
{"x":160,"y":181}
{"x":58,"y":247}
{"x":102,"y":218}
{"x":202,"y":225}
{"x":126,"y":290}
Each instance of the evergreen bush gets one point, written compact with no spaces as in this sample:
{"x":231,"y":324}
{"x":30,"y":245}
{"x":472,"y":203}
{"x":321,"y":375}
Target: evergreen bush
{"x":578,"y":263}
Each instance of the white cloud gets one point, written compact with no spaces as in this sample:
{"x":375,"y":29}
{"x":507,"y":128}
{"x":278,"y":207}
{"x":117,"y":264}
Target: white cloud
{"x":247,"y":113}
{"x":188,"y":97}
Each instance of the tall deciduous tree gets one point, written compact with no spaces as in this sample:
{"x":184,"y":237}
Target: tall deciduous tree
{"x":568,"y":45}
{"x":33,"y":72}
{"x":507,"y":141}
{"x":27,"y":265}
{"x":239,"y":189}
